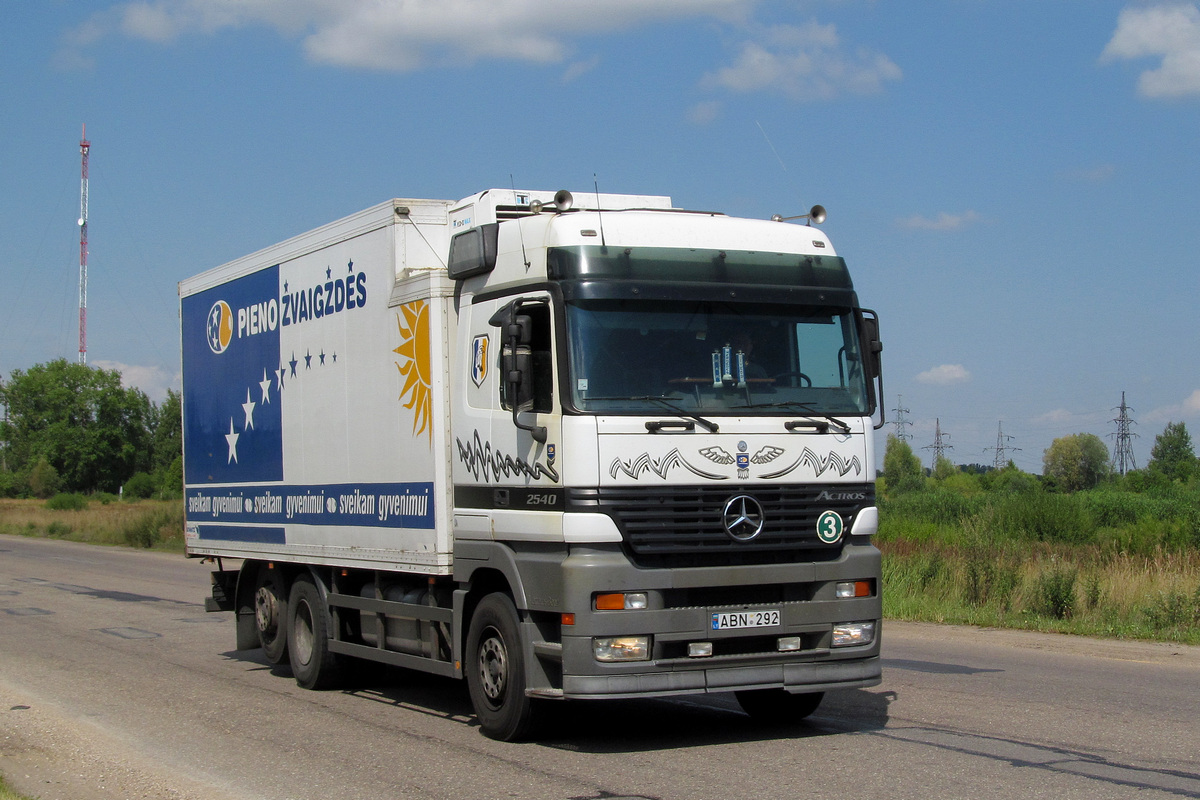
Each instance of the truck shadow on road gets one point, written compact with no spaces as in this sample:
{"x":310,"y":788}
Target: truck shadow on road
{"x":604,"y":726}
{"x":698,"y":721}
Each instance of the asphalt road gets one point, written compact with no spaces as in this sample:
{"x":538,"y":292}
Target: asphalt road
{"x":114,"y":683}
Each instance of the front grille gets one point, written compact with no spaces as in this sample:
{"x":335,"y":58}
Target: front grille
{"x":683,"y":525}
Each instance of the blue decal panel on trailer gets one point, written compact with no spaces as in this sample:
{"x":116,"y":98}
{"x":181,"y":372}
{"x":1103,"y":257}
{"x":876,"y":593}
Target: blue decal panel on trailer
{"x":381,"y":505}
{"x":296,"y":431}
{"x":232,"y":395}
{"x":240,"y":533}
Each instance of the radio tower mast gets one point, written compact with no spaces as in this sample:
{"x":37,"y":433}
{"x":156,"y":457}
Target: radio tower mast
{"x":84,"y":147}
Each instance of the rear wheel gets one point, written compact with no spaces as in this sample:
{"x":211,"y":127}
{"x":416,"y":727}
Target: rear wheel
{"x":778,"y":707}
{"x":496,"y":670}
{"x":313,"y":665}
{"x":270,"y":615}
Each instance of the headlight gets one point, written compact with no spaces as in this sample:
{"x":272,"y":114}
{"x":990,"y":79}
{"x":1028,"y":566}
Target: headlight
{"x":849,"y":634}
{"x":621,"y":648}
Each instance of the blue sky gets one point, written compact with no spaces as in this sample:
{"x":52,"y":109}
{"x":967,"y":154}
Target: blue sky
{"x":1015,"y":183}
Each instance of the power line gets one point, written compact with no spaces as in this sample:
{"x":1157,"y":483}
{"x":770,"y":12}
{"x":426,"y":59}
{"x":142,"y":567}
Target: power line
{"x":939,"y":446}
{"x":1002,"y":447}
{"x":1123,"y":459}
{"x":901,"y":420}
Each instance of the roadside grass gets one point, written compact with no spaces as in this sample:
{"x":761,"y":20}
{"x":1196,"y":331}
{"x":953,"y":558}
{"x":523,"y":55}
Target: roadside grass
{"x":156,"y":524}
{"x":1086,"y":589}
{"x":7,"y":793}
{"x":1105,"y":562}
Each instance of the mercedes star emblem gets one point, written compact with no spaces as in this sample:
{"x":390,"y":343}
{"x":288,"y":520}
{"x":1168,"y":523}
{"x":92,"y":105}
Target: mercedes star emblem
{"x":743,"y":517}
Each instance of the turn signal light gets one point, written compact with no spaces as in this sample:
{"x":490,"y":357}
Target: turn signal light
{"x":854,"y":589}
{"x":620,"y":601}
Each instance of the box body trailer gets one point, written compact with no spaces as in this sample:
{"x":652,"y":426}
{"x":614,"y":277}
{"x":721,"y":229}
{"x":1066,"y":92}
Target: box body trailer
{"x":559,"y":448}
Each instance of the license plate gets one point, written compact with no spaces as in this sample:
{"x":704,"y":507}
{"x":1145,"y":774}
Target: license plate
{"x":728,"y":620}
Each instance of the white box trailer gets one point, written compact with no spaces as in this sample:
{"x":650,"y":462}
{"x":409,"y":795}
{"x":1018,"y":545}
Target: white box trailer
{"x":564,"y":452}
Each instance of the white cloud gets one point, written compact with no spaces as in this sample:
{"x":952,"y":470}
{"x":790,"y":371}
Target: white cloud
{"x":1059,"y":416}
{"x":942,"y":222}
{"x":1169,"y":31}
{"x":154,"y":381}
{"x":806,"y":62}
{"x":404,"y":35}
{"x":705,"y":112}
{"x":1189,"y":407}
{"x":580,"y":68}
{"x":945,"y":375}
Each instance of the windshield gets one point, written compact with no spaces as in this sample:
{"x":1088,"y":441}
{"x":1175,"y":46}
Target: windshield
{"x":646,"y":356}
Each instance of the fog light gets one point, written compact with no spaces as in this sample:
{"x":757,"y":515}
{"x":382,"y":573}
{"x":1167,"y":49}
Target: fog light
{"x":699,"y":649}
{"x":789,"y":644}
{"x":849,"y":634}
{"x":854,"y":589}
{"x":621,"y":648}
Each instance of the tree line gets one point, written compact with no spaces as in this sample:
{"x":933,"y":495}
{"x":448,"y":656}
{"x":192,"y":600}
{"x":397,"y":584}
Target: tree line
{"x":1070,"y":464}
{"x":74,"y":428}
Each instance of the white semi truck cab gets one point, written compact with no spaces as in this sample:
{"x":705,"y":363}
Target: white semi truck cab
{"x":562,"y":446}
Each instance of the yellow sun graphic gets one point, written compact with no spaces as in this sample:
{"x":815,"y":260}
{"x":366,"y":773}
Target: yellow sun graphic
{"x":413,"y":322}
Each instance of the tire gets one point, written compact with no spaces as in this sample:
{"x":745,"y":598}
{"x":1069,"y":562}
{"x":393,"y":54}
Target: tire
{"x":271,"y":615}
{"x":313,"y":665}
{"x":496,"y":670}
{"x":778,"y":707}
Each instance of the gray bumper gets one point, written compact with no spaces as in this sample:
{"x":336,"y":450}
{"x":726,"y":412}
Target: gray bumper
{"x":678,"y":615}
{"x":800,"y":677}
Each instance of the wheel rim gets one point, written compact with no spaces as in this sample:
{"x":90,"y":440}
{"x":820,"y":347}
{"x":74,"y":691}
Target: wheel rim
{"x":493,"y":666}
{"x":302,"y":634}
{"x":266,"y":610}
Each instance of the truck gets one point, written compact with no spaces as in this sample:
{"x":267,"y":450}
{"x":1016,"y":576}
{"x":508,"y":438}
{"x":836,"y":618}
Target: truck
{"x":561,"y":445}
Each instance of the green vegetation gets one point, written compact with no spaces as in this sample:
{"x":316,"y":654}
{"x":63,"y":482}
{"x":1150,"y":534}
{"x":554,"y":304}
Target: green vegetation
{"x":154,"y":524}
{"x":7,"y":792}
{"x":1078,"y":550}
{"x":75,"y":429}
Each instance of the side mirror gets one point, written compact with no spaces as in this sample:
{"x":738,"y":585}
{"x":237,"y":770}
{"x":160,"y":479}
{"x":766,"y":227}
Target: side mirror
{"x":872,"y":348}
{"x":872,"y":344}
{"x":516,"y":364}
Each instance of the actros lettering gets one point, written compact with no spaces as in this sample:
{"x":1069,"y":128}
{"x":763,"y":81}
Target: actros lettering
{"x":842,"y":496}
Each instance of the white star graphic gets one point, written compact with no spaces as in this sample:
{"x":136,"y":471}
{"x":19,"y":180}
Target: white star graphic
{"x":248,"y":407}
{"x":265,"y":383}
{"x":232,"y":438}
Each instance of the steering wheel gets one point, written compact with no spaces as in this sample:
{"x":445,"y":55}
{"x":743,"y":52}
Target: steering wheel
{"x":805,"y":381}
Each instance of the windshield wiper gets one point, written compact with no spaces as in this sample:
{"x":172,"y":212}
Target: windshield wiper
{"x":668,"y":405}
{"x":825,"y":419}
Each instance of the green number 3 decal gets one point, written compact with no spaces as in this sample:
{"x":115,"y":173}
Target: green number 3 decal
{"x":829,"y":527}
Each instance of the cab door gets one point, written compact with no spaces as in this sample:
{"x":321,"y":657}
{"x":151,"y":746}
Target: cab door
{"x":507,"y":462}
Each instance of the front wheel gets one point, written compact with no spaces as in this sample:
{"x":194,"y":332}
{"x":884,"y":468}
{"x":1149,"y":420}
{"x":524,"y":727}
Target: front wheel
{"x":496,"y":670}
{"x":777,"y":706}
